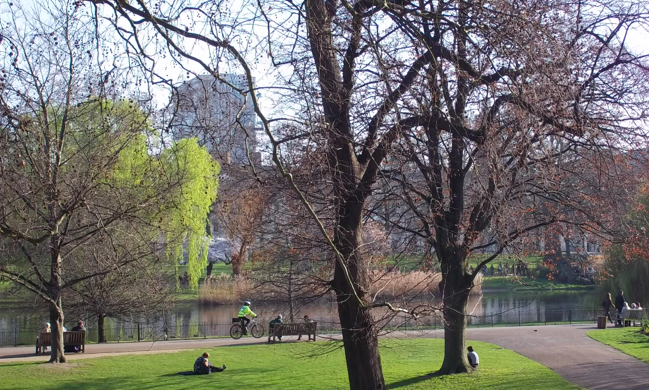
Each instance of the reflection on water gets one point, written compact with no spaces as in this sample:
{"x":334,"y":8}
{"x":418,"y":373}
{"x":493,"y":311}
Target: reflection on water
{"x":193,"y":320}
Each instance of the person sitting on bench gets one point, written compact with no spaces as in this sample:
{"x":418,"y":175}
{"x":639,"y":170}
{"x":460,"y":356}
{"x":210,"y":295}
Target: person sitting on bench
{"x":46,"y":329}
{"x":276,"y":322}
{"x":203,"y":366}
{"x":75,"y":348}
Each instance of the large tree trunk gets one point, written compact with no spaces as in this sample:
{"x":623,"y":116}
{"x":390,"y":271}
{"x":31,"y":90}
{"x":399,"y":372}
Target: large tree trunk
{"x":360,"y":336}
{"x":456,"y":288}
{"x":101,"y":329}
{"x":56,"y":307}
{"x":56,"y":321}
{"x":361,"y":344}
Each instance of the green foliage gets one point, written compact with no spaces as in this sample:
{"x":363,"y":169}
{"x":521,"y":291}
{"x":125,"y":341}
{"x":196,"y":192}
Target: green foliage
{"x":179,"y":185}
{"x":186,"y":161}
{"x":628,"y":340}
{"x":406,"y":365}
{"x":524,"y":284}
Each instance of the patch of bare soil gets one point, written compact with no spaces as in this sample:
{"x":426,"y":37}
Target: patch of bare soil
{"x":60,"y":366}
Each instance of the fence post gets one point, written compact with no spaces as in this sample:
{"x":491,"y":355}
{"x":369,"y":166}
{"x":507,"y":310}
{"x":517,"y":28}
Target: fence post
{"x":15,"y":334}
{"x":570,"y":316}
{"x":519,"y":317}
{"x":492,"y":321}
{"x":138,"y":332}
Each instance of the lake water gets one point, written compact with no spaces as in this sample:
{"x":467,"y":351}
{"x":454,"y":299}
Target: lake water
{"x":191,"y":320}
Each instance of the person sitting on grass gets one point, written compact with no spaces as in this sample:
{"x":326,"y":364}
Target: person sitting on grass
{"x":243,"y":313}
{"x":274,"y":324}
{"x":474,"y":360}
{"x":202,"y":365}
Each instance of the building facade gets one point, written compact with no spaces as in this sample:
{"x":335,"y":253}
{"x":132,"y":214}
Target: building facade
{"x":219,"y":115}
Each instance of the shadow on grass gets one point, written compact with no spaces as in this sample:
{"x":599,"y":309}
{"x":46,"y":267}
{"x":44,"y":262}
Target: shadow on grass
{"x":411,"y":381}
{"x":112,"y":384}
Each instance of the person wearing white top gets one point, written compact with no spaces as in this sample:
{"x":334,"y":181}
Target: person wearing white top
{"x":474,"y":360}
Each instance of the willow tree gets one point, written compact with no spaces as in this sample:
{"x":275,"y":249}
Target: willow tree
{"x":77,"y":173}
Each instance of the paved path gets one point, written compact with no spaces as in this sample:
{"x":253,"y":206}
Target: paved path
{"x":570,"y":353}
{"x":564,"y":348}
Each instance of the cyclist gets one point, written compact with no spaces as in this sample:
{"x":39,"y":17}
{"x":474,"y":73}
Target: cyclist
{"x":243,"y":313}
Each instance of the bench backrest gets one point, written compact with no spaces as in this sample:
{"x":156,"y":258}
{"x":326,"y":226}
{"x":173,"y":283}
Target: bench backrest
{"x":294,"y":328}
{"x":45,"y":338}
{"x":634,"y":314}
{"x":69,"y":338}
{"x":77,"y":337}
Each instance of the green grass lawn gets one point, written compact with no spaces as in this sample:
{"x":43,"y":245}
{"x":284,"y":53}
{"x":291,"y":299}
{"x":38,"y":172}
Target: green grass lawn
{"x":406,"y":364}
{"x":627,"y":340}
{"x":408,"y":262}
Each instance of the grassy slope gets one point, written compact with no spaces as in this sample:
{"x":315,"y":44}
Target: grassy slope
{"x":627,"y":340}
{"x":415,"y":262}
{"x":284,"y":366}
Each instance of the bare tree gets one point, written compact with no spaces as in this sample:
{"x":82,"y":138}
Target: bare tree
{"x":75,"y":168}
{"x":137,"y":290}
{"x":238,"y":214}
{"x":529,"y":114}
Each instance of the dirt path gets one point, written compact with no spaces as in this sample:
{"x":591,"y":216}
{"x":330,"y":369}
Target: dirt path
{"x":563,"y":348}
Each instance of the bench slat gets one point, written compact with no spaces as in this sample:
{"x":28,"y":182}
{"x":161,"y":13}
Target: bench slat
{"x":293,"y":329}
{"x":72,"y":338}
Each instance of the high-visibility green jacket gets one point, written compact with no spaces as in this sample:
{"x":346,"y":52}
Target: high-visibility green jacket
{"x":245,"y":311}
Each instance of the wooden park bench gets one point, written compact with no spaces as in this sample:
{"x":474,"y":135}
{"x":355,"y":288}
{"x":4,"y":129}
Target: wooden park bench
{"x":293,"y":329}
{"x":74,"y":339}
{"x":633,"y":315}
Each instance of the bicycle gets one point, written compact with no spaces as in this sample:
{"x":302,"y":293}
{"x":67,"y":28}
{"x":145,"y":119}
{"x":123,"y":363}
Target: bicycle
{"x":236,"y":330}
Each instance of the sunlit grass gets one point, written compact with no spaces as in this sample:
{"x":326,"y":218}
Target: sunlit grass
{"x":628,"y":340}
{"x":406,"y":365}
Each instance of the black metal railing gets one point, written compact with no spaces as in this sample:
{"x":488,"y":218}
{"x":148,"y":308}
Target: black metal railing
{"x":138,"y":332}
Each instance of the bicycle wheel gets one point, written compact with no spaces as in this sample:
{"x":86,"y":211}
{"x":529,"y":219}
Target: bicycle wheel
{"x":257,"y":331}
{"x":236,"y":331}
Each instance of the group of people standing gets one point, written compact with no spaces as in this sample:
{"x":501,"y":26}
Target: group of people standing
{"x":620,"y":306}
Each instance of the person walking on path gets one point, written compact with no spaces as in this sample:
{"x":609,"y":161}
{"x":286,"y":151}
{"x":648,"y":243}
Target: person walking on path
{"x":202,"y":365}
{"x":619,"y":304}
{"x":608,"y":303}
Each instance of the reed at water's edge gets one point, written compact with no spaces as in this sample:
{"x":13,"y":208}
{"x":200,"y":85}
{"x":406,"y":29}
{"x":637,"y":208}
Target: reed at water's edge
{"x":224,"y":289}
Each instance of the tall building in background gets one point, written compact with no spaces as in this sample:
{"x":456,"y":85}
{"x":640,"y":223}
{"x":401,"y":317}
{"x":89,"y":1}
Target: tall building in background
{"x":219,"y":116}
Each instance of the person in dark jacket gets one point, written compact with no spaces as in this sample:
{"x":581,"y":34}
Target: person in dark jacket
{"x":274,"y":324}
{"x":619,"y":304}
{"x":202,"y":365}
{"x":75,"y":348}
{"x":608,"y":303}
